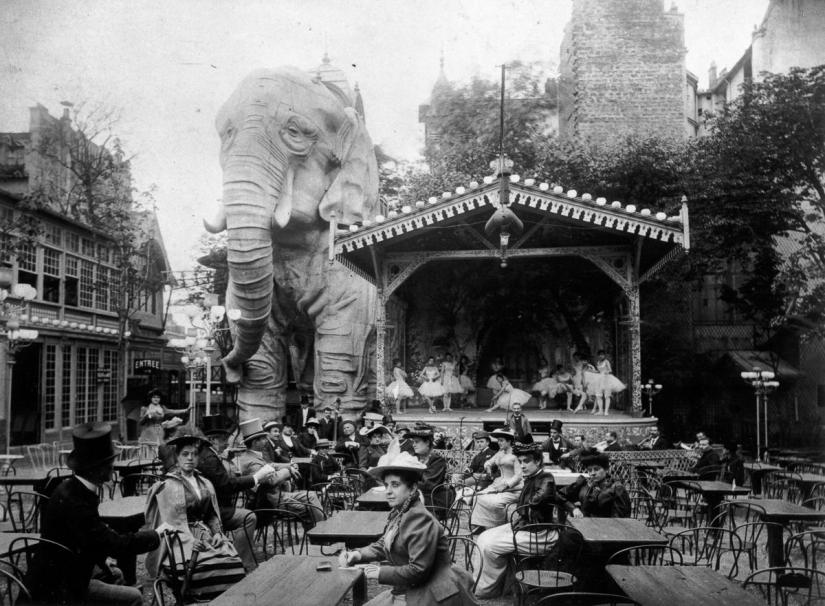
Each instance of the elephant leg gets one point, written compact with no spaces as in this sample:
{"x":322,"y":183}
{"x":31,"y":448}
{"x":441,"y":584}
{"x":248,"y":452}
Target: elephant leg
{"x":262,"y":390}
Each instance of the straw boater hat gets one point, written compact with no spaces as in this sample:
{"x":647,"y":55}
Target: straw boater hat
{"x":313,"y":421}
{"x":400,"y":462}
{"x":215,"y":424}
{"x":374,"y":416}
{"x":270,"y":424}
{"x":251,"y":429}
{"x":92,"y":445}
{"x":504,"y":432}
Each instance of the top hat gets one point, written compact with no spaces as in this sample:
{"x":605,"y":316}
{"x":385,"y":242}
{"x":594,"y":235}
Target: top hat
{"x":187,"y":435}
{"x":304,"y":399}
{"x":212,"y":424}
{"x":557,"y":425}
{"x":251,"y":429}
{"x":92,"y":445}
{"x":400,"y":428}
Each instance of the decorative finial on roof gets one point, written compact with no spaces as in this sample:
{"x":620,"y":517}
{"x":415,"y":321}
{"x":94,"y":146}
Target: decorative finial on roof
{"x":441,"y":62}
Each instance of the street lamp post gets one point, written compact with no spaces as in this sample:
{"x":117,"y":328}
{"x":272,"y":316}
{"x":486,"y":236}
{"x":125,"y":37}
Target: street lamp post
{"x":763,"y":384}
{"x":651,"y":389}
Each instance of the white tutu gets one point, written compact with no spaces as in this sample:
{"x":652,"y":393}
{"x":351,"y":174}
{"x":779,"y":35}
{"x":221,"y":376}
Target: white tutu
{"x":403,"y":390}
{"x":467,"y":384}
{"x":597,"y":384}
{"x":450,"y":384}
{"x":519,"y":396}
{"x":492,"y":383}
{"x":547,"y":386}
{"x":431,"y":389}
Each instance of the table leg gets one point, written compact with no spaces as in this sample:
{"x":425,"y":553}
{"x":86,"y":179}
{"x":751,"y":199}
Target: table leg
{"x":776,"y":556}
{"x":756,"y":482}
{"x":713,"y":501}
{"x":359,"y":590}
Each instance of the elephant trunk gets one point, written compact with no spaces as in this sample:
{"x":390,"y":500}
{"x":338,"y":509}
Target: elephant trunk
{"x":252,"y":187}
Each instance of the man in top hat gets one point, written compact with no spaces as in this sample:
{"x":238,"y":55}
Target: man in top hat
{"x":276,"y":494}
{"x":556,"y":445}
{"x":327,"y":424}
{"x":304,"y":414}
{"x":72,"y":520}
{"x":520,"y":424}
{"x":227,"y":485}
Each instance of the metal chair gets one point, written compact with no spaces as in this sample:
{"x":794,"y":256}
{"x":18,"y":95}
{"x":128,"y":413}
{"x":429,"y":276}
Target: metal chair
{"x":22,"y":548}
{"x":653,"y":555}
{"x":779,"y":585}
{"x":286,"y":531}
{"x":579,"y":598}
{"x":14,"y":591}
{"x":176,"y":571}
{"x":808,"y":546}
{"x":140,"y":483}
{"x":25,"y":510}
{"x":465,"y":552}
{"x":447,"y":517}
{"x":339,"y":495}
{"x":705,"y":546}
{"x":529,"y":557}
{"x":789,"y":490}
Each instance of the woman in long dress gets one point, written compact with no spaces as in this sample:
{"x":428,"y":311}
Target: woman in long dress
{"x":430,"y":388}
{"x":419,"y":568}
{"x":578,"y":382}
{"x":607,"y":384}
{"x":492,"y":503}
{"x":188,"y":502}
{"x":449,"y":382}
{"x":398,"y":390}
{"x":507,"y":395}
{"x":546,"y":387}
{"x":152,"y":416}
{"x":467,"y":384}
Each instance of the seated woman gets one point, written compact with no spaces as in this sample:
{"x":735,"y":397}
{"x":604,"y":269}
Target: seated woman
{"x":436,"y":468}
{"x":420,"y":568}
{"x":186,"y":501}
{"x":493,"y":502}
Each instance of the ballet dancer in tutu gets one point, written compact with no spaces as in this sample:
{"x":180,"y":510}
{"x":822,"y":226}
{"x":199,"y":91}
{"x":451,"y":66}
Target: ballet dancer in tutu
{"x":398,"y":390}
{"x":430,"y":388}
{"x":507,"y":395}
{"x":469,"y":388}
{"x":449,"y":382}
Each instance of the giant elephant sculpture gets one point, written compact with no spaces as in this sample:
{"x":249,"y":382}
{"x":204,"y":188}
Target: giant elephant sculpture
{"x":292,"y":154}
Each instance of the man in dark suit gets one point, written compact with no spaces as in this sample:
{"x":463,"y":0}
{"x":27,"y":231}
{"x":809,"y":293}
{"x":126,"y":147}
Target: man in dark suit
{"x":326,"y":429}
{"x":72,"y":520}
{"x":610,"y":444}
{"x":655,"y":441}
{"x":306,"y":412}
{"x":290,"y":445}
{"x":273,"y":450}
{"x":227,"y":485}
{"x":474,"y":474}
{"x":709,"y":465}
{"x":402,"y":431}
{"x":556,"y":445}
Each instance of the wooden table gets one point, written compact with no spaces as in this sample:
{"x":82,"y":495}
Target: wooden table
{"x":125,"y":515}
{"x":7,"y":538}
{"x":374,"y":500}
{"x":565,"y":478}
{"x":616,"y":533}
{"x":28,"y":477}
{"x":676,"y":475}
{"x":757,"y":470}
{"x":293,"y":580}
{"x":353,"y":528}
{"x":781,"y":512}
{"x":680,"y":586}
{"x":808,"y":480}
{"x":713,"y":492}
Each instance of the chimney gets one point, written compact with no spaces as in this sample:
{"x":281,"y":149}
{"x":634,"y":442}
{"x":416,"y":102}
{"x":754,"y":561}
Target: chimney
{"x":712,"y":75}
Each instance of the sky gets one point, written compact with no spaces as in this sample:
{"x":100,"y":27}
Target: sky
{"x":168,"y":66}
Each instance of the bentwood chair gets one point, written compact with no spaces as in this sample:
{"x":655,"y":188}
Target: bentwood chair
{"x":465,"y":552}
{"x":14,"y":591}
{"x":652,"y":555}
{"x":533,"y":572}
{"x":807,"y":548}
{"x":706,"y":546}
{"x":25,"y":510}
{"x":286,"y":528}
{"x":789,"y":585}
{"x":22,"y":550}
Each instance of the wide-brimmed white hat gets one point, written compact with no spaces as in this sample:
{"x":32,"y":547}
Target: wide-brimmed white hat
{"x":400,"y":462}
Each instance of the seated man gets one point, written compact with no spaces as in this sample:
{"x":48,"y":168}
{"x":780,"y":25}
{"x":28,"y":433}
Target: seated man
{"x":655,"y":441}
{"x":475,"y":474}
{"x":610,"y":443}
{"x":275,"y":494}
{"x":72,"y":520}
{"x":329,"y":466}
{"x":556,"y":445}
{"x":570,"y":459}
{"x":708,"y":465}
{"x":496,"y":544}
{"x":227,"y":485}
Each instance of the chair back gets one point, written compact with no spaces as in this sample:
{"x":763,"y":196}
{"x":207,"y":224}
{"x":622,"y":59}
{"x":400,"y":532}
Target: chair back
{"x":580,"y":598}
{"x":139,"y":484}
{"x":24,"y":548}
{"x":705,"y":546}
{"x":42,"y":457}
{"x":175,"y":568}
{"x":464,"y":551}
{"x":447,"y":517}
{"x":807,"y":547}
{"x":340,"y":495}
{"x":285,"y":528}
{"x":26,"y":510}
{"x":788,"y":585}
{"x":14,"y":591}
{"x":652,"y":555}
{"x":789,"y":490}
{"x":524,"y":512}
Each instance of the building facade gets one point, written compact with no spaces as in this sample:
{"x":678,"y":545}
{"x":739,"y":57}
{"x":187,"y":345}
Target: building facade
{"x":73,"y":371}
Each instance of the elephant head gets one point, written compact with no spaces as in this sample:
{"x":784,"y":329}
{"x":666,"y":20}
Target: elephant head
{"x":292,"y":154}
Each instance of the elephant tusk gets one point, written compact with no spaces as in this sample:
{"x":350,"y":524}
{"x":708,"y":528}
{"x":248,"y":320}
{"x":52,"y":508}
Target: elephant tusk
{"x":284,"y":209}
{"x":218,"y":224}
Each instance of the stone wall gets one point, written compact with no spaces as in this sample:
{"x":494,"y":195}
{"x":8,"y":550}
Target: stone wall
{"x":623,"y":68}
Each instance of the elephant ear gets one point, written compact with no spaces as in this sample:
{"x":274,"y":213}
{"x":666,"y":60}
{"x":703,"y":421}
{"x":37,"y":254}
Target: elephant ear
{"x":353,"y":194}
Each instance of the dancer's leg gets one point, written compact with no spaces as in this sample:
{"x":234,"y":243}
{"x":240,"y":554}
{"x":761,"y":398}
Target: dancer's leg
{"x":569,"y":400}
{"x":431,"y":403}
{"x":445,"y":400}
{"x":598,"y":407}
{"x":606,"y":404}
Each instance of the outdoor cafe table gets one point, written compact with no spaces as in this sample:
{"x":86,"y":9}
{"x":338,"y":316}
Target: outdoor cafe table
{"x":808,"y":480}
{"x":294,"y":580}
{"x":680,"y":586}
{"x":353,"y":528}
{"x":125,"y":515}
{"x":132,"y":466}
{"x":374,"y":500}
{"x":616,"y":533}
{"x":29,"y":477}
{"x":757,"y":470}
{"x":7,"y":461}
{"x":781,"y":512}
{"x":713,"y":492}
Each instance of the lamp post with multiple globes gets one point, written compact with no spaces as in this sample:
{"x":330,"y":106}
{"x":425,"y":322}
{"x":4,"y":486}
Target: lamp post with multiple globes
{"x":763,"y":384}
{"x":651,"y":389}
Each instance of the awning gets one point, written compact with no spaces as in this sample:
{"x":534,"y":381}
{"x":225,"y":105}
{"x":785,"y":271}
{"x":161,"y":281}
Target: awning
{"x":748,"y":359}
